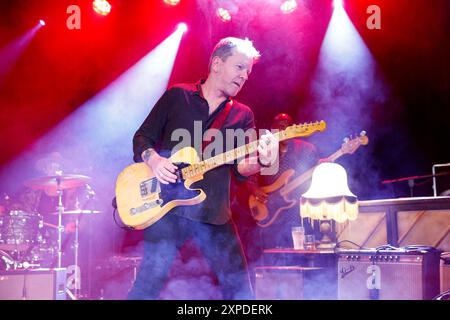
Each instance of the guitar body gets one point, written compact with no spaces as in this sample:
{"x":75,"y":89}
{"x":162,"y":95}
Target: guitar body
{"x":142,"y":200}
{"x":266,"y":213}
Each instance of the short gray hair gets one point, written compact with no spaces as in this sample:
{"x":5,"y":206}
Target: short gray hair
{"x":226,"y":46}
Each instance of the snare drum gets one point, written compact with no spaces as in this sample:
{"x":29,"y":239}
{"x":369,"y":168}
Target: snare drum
{"x":19,"y":230}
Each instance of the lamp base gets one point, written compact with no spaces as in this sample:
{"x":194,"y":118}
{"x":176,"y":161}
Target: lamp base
{"x":326,"y":245}
{"x":326,"y":230}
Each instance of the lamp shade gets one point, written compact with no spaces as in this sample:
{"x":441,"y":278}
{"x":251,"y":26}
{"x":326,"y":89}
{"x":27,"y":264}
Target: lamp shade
{"x":329,"y":196}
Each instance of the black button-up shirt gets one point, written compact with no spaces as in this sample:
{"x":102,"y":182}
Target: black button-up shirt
{"x":178,"y":108}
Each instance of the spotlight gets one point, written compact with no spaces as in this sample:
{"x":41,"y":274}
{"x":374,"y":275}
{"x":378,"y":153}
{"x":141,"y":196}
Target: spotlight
{"x":182,"y":27}
{"x":338,"y":4}
{"x":172,"y":2}
{"x":223,"y":14}
{"x":42,"y":22}
{"x":288,"y":6}
{"x":101,"y":7}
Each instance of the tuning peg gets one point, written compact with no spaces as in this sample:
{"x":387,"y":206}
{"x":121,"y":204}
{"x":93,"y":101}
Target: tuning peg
{"x":363,"y":133}
{"x":346,"y":139}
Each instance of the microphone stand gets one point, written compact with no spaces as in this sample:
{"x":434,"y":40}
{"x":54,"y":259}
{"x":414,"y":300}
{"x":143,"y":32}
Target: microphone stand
{"x":60,"y":227}
{"x":411,"y":180}
{"x":411,"y":187}
{"x":76,"y":244}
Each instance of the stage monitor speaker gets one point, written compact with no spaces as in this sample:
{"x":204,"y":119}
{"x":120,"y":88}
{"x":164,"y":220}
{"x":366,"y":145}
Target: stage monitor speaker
{"x":388,"y":275}
{"x":295,"y":283}
{"x":37,"y":284}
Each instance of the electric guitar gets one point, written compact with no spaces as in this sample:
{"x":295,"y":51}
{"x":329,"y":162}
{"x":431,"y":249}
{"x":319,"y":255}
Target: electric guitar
{"x":265,"y":213}
{"x":142,"y":200}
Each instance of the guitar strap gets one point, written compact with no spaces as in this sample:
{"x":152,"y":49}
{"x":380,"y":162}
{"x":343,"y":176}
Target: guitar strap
{"x":217,"y":124}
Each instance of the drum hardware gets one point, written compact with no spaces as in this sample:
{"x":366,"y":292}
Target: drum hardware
{"x":76,"y":212}
{"x":60,"y":183}
{"x":25,"y":265}
{"x":7,"y":261}
{"x":19,"y":230}
{"x":76,"y":244}
{"x":30,"y":245}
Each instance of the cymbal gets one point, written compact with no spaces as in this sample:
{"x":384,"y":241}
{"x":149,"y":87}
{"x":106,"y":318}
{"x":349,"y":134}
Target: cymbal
{"x":78,"y":212}
{"x":13,"y":247}
{"x":65,"y":181}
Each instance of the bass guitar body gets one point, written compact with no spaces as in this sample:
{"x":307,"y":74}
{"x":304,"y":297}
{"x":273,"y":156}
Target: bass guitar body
{"x":265,"y":212}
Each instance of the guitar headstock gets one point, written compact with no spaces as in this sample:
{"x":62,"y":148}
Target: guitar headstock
{"x":350,"y":145}
{"x":304,"y":130}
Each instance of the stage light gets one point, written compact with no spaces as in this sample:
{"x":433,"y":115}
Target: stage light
{"x":172,"y":2}
{"x":223,"y":14}
{"x":101,"y":7}
{"x":338,"y":3}
{"x":182,"y":27}
{"x":288,"y":6}
{"x":42,"y":22}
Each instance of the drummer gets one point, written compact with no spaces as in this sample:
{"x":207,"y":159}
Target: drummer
{"x":53,"y":165}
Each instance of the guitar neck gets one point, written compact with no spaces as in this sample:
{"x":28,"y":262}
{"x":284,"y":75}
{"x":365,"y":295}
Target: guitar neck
{"x":334,"y":156}
{"x":226,"y":157}
{"x":288,"y":188}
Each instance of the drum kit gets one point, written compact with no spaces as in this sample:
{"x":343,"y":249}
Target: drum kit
{"x":27,"y":240}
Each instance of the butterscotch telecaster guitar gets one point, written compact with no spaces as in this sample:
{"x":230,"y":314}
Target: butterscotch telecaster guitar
{"x":265,"y":213}
{"x":142,"y":200}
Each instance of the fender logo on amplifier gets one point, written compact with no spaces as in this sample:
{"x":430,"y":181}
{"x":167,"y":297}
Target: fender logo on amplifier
{"x":345,"y":271}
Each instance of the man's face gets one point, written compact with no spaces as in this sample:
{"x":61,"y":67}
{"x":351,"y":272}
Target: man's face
{"x":233,"y":72}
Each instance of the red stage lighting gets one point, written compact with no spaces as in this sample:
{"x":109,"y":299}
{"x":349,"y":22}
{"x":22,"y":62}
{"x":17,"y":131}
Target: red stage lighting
{"x":42,"y":22}
{"x":172,"y":2}
{"x":288,"y":6}
{"x":101,"y":7}
{"x":223,"y":14}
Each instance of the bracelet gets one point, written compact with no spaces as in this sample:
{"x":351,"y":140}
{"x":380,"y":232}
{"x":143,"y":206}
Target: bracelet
{"x":263,"y":165}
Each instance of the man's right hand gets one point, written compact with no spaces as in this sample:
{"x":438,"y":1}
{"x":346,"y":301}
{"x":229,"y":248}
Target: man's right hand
{"x":162,"y":168}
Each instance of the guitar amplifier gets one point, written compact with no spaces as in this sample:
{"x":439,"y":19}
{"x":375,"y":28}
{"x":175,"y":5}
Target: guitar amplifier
{"x":445,"y":272}
{"x":34,"y":284}
{"x":388,"y":274}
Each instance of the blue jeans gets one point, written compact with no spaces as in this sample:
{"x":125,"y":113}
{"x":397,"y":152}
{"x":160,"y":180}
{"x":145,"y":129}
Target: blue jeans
{"x":219,"y":245}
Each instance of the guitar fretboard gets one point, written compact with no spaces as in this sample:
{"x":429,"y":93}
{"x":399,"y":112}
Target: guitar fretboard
{"x":228,"y":157}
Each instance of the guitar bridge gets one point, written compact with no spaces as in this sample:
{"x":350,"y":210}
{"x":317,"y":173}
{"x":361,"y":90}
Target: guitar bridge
{"x":146,"y":206}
